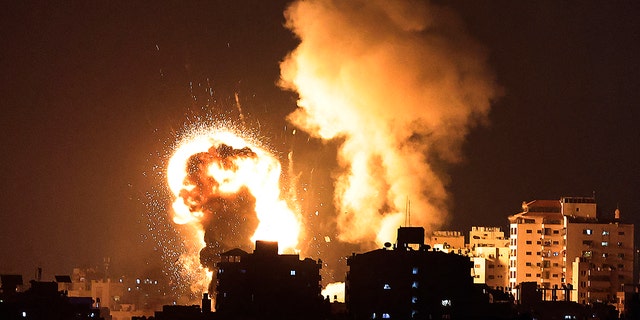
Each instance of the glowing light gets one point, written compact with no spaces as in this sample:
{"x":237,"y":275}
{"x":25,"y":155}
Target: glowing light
{"x":335,"y":291}
{"x":226,"y":195}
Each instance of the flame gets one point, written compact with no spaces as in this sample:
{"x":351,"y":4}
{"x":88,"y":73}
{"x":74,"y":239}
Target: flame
{"x":335,"y":291}
{"x":221,"y":183}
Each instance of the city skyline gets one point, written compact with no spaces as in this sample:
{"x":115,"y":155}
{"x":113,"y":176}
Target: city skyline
{"x":94,"y":96}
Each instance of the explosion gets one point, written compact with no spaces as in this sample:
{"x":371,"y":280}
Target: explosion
{"x":227,"y":195}
{"x":396,"y":84}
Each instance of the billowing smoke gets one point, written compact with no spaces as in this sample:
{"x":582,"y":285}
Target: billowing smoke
{"x":399,"y":84}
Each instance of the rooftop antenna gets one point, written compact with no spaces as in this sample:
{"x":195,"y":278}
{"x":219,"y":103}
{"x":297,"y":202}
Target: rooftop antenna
{"x":407,"y":213}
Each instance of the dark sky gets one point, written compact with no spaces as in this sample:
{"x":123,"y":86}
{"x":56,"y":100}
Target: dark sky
{"x":93,"y":94}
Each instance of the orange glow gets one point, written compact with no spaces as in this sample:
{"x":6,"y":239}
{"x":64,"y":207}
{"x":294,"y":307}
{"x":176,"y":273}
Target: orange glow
{"x":226,"y":166}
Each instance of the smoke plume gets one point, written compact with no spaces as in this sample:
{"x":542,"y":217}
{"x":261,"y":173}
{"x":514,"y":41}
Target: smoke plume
{"x":399,"y":84}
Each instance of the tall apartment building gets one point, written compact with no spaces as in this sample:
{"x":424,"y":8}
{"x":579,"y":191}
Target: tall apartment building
{"x":564,"y":248}
{"x":536,"y":245}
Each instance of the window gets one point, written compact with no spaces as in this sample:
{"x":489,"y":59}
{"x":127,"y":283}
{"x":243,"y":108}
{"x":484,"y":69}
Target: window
{"x":414,"y":299}
{"x":387,"y":286}
{"x":414,"y":285}
{"x":529,"y":231}
{"x":415,"y":270}
{"x":621,"y":233}
{"x":528,"y":264}
{"x":555,"y":243}
{"x":605,"y":232}
{"x":491,"y":277}
{"x":529,"y":242}
{"x":619,"y":244}
{"x":586,"y":254}
{"x":587,"y":231}
{"x":527,"y":275}
{"x":605,"y":243}
{"x":556,"y":231}
{"x":604,"y":255}
{"x":555,"y":275}
{"x":621,"y":255}
{"x":528,"y":253}
{"x":446,"y":303}
{"x":386,"y":316}
{"x":587,"y":242}
{"x":293,"y":272}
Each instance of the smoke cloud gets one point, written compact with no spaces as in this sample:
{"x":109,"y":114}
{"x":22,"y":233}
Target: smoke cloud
{"x":399,"y":84}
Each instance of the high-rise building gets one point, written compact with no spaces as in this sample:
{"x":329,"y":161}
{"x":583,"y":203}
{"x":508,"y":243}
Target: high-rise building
{"x":565,"y":248}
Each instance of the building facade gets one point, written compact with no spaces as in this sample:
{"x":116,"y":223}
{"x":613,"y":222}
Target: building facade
{"x":489,"y":251}
{"x":566,"y":249}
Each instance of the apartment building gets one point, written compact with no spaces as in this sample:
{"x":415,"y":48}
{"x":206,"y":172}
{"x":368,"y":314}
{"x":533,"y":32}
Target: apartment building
{"x":565,"y":248}
{"x":489,"y":252}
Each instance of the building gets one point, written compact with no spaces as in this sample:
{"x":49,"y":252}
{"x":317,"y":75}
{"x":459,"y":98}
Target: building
{"x":489,"y":252}
{"x":537,"y":245}
{"x":600,"y":257}
{"x":409,"y":281}
{"x":448,"y":241}
{"x":266,"y":285}
{"x":564,"y":247}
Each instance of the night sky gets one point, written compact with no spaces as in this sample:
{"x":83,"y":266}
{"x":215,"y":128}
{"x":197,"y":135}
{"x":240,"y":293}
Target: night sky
{"x":94,"y":94}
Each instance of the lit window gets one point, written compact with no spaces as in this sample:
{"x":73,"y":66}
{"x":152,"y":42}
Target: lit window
{"x":446,"y":303}
{"x":221,"y":271}
{"x":605,"y":243}
{"x":386,"y":316}
{"x":587,"y":231}
{"x":293,"y":272}
{"x":387,"y":286}
{"x":415,"y":270}
{"x":137,"y":281}
{"x":605,"y":232}
{"x":414,"y":299}
{"x":414,"y":285}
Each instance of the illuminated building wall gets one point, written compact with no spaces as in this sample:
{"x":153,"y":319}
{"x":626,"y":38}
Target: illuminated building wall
{"x":600,"y":258}
{"x":489,"y":251}
{"x":537,"y":246}
{"x":448,"y":241}
{"x":562,"y":244}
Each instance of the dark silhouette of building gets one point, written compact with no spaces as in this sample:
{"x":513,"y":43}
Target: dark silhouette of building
{"x":43,"y":301}
{"x":268,"y":285}
{"x":410,"y":281}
